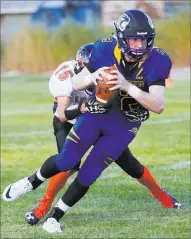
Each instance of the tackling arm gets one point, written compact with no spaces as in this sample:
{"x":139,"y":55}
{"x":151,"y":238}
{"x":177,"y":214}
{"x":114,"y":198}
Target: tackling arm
{"x":84,"y":79}
{"x":63,"y":103}
{"x":91,"y":106}
{"x":80,"y":81}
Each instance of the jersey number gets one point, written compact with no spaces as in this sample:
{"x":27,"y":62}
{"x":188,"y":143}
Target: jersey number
{"x":124,"y":97}
{"x":64,"y":74}
{"x":107,"y":39}
{"x":125,"y":101}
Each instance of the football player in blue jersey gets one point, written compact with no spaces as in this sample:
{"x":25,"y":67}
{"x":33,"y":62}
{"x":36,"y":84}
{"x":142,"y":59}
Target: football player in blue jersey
{"x":141,"y":72}
{"x":62,"y":126}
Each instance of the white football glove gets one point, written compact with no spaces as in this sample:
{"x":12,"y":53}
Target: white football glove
{"x":121,"y":83}
{"x":97,"y":75}
{"x":95,"y":108}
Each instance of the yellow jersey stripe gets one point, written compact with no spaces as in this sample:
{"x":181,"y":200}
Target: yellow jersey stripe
{"x":106,"y":162}
{"x":142,"y":60}
{"x":70,"y":138}
{"x":139,"y":72}
{"x":74,"y":133}
{"x":117,"y":53}
{"x":110,"y":159}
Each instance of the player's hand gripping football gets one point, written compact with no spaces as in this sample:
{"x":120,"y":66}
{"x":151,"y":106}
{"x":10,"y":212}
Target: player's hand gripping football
{"x":94,"y":107}
{"x":121,"y":83}
{"x":97,"y":75}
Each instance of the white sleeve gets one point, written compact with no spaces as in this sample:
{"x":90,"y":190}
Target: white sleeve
{"x":60,"y":87}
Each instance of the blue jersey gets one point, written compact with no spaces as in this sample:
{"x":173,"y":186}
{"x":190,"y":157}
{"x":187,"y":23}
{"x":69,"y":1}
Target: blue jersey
{"x":113,"y":131}
{"x":150,"y":71}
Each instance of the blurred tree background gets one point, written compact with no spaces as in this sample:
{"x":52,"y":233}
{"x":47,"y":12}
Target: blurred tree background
{"x":38,"y":48}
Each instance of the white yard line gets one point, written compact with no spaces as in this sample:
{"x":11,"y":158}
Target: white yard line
{"x":28,"y":133}
{"x":181,"y":164}
{"x":47,"y":131}
{"x":117,"y":172}
{"x":27,"y":112}
{"x":13,"y":147}
{"x":167,"y":121}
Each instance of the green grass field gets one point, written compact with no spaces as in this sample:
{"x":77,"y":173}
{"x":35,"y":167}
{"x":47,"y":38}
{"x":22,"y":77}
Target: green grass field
{"x":117,"y":206}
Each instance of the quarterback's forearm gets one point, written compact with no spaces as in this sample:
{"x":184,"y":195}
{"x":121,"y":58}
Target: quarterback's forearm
{"x":148,"y":100}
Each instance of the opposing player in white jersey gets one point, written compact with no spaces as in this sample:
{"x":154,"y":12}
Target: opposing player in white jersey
{"x":68,"y":104}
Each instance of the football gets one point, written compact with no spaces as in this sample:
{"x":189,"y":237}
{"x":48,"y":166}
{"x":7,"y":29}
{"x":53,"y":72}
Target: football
{"x":103,"y":94}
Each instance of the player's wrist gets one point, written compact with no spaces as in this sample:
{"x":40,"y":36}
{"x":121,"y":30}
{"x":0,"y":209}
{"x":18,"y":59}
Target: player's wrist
{"x":83,"y":108}
{"x":88,"y":79}
{"x":125,"y":86}
{"x":133,"y":91}
{"x":72,"y":112}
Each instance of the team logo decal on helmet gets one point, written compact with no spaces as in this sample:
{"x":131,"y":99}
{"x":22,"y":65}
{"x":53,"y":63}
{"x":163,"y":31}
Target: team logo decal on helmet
{"x":123,"y":21}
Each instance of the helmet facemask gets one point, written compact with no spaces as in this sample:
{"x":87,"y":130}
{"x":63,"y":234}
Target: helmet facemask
{"x":79,"y":64}
{"x":82,"y":57}
{"x":134,"y":53}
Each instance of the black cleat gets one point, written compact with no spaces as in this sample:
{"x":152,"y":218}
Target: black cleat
{"x":31,"y":219}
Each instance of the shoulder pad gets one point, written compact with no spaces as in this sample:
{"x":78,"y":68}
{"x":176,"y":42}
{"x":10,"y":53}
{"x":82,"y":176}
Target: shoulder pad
{"x":65,"y":65}
{"x":60,"y":86}
{"x":159,"y":54}
{"x":160,"y":63}
{"x":105,"y":43}
{"x":64,"y":70}
{"x":160,"y":51}
{"x":107,"y":39}
{"x":102,"y":52}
